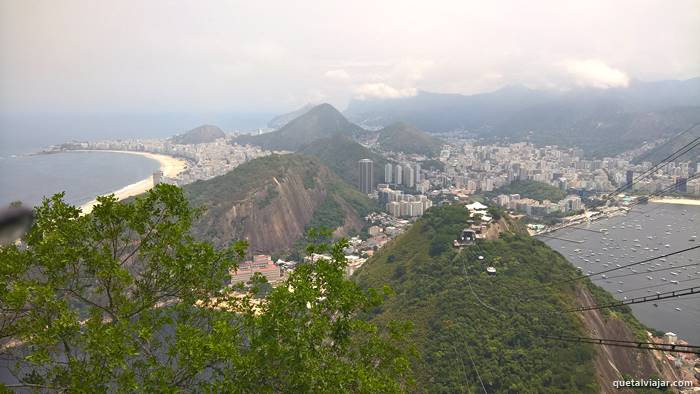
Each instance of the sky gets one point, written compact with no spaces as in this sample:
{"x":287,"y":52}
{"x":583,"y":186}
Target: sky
{"x":99,"y":56}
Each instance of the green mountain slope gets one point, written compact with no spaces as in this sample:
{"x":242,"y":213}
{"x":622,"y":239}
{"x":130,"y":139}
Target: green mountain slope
{"x":271,"y":202}
{"x":460,"y":313}
{"x":199,"y":135}
{"x":341,"y":155}
{"x":675,"y":143}
{"x":532,"y":189}
{"x":404,"y":137}
{"x":322,"y":121}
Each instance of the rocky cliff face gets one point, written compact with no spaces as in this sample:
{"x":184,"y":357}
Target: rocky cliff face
{"x":271,"y":201}
{"x":278,"y":224}
{"x":612,"y":363}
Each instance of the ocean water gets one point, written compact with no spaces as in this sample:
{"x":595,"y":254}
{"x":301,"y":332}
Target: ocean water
{"x":85,"y":175}
{"x":81,"y":175}
{"x":649,"y":231}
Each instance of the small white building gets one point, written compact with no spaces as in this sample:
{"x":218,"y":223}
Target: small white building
{"x":670,"y":338}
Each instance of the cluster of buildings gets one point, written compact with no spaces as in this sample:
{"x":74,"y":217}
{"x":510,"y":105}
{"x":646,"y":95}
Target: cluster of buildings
{"x":205,"y":160}
{"x":571,"y":203}
{"x":382,"y":228}
{"x":483,"y":168}
{"x":405,"y":175}
{"x":408,"y":175}
{"x":686,"y":365}
{"x":672,"y":176}
{"x":396,"y":202}
{"x":400,"y":204}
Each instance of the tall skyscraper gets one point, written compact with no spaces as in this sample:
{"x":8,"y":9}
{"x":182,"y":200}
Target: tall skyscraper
{"x":398,"y":174}
{"x":366,"y":167}
{"x":388,"y":172}
{"x":408,"y":176}
{"x":416,"y":170}
{"x":629,"y":178}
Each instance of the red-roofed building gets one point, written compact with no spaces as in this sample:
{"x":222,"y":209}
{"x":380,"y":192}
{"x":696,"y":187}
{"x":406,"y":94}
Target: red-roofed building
{"x":260,"y":263}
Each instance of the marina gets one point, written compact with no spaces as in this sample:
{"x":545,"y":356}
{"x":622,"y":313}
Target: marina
{"x":648,"y":231}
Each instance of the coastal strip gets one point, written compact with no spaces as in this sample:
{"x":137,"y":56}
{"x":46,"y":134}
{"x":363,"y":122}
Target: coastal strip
{"x":672,"y":200}
{"x":169,"y":165}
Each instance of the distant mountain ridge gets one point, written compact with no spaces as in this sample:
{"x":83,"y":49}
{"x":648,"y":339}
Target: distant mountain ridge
{"x":199,"y":135}
{"x":407,"y":138}
{"x":320,"y":122}
{"x":270,"y":202}
{"x":282,"y":120}
{"x":581,"y":117}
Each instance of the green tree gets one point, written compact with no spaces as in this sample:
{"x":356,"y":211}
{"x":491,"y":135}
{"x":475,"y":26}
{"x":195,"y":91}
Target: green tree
{"x":124,"y":299}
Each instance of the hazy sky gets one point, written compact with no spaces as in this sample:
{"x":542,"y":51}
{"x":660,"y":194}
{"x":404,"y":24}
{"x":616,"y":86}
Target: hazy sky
{"x":150,"y":56}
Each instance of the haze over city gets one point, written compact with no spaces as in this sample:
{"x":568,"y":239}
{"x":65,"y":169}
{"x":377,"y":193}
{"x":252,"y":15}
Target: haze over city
{"x":161,"y":56}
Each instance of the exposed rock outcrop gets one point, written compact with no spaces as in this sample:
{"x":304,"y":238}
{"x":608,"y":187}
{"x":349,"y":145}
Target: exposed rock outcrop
{"x":271,"y":201}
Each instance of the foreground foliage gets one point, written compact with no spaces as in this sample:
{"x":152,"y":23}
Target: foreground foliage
{"x":124,"y":299}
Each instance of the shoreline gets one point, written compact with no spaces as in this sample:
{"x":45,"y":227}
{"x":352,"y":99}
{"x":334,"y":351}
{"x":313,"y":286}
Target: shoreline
{"x":170,"y":165}
{"x":678,"y":201}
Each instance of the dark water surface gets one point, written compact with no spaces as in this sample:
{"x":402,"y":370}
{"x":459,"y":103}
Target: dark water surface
{"x":82,"y":175}
{"x":650,"y":230}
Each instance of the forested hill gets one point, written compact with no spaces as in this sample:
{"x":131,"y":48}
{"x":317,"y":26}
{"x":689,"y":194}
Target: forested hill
{"x":676,"y":143}
{"x":532,"y":189}
{"x":272,"y":201}
{"x":199,"y":135}
{"x":341,"y":155}
{"x":322,"y":121}
{"x":436,"y":288}
{"x":404,"y":137}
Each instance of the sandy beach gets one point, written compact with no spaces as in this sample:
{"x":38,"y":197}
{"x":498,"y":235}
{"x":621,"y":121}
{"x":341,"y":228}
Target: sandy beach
{"x":171,"y":167}
{"x":679,"y":201}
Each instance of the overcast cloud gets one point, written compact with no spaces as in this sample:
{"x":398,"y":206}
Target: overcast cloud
{"x":149,"y":56}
